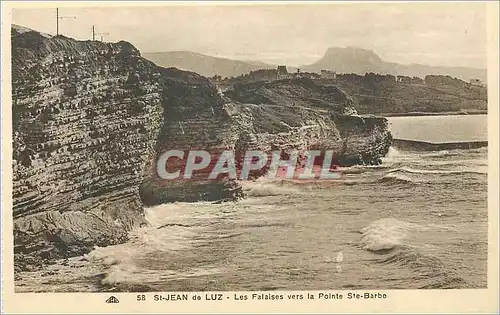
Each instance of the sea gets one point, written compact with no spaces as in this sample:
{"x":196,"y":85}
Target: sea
{"x":417,"y":221}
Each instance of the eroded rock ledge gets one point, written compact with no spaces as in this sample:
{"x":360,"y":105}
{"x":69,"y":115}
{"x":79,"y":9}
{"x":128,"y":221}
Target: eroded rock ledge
{"x":90,"y":118}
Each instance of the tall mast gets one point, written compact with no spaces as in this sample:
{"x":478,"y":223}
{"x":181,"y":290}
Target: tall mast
{"x":60,"y":18}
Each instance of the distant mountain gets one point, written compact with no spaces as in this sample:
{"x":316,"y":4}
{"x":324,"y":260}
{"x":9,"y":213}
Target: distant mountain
{"x":205,"y":65}
{"x":360,"y":61}
{"x":341,"y":60}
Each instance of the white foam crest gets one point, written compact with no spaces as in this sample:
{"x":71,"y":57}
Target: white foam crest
{"x":173,"y":228}
{"x":132,"y":274}
{"x":476,"y":170}
{"x":392,"y":156}
{"x":185,"y":213}
{"x":385,"y":233}
{"x":263,"y":189}
{"x":396,"y":178}
{"x":143,"y":241}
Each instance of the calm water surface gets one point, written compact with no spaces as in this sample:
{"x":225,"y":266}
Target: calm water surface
{"x":440,"y":128}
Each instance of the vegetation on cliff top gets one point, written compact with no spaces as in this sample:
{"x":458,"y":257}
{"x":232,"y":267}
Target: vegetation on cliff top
{"x":379,"y":94}
{"x":293,"y":93}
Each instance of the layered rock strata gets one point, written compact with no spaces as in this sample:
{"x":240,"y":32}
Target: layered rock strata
{"x":86,"y":116}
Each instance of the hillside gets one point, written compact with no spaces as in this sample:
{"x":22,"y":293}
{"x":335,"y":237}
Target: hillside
{"x":294,"y":93}
{"x":372,"y":93}
{"x":205,"y":65}
{"x":361,"y":61}
{"x":377,"y":94}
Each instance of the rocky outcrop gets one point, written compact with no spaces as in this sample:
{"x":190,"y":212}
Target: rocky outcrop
{"x":195,"y":118}
{"x":85,"y":119}
{"x":90,"y":120}
{"x":303,"y":114}
{"x":365,"y":139}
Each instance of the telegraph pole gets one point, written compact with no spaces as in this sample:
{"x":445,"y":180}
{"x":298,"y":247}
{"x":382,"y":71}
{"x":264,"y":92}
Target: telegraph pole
{"x":93,"y":33}
{"x":60,"y":18}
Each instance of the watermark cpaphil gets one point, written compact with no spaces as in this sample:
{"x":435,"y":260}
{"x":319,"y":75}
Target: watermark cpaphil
{"x":216,"y":164}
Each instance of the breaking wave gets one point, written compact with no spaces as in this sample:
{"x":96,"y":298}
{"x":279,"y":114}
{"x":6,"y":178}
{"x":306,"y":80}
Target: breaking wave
{"x":263,"y":188}
{"x":394,"y":178}
{"x":443,"y":154}
{"x":174,"y":229}
{"x":392,"y":155}
{"x":479,"y":170}
{"x":394,"y":242}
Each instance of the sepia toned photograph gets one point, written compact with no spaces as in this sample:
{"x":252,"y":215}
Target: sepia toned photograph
{"x":267,"y":148}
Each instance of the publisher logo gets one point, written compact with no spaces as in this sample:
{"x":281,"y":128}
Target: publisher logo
{"x":112,"y":300}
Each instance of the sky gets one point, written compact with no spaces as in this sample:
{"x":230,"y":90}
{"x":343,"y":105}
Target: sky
{"x":437,"y":34}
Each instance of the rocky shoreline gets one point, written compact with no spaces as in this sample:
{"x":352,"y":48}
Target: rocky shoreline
{"x":90,"y":118}
{"x":76,"y":274}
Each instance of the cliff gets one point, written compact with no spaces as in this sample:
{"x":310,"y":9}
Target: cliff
{"x":313,"y":116}
{"x":195,"y":118}
{"x":90,"y":119}
{"x":85,"y":119}
{"x":299,"y":92}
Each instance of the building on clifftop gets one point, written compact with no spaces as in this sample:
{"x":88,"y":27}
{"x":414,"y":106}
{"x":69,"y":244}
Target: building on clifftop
{"x":327,"y":74}
{"x":283,"y":73}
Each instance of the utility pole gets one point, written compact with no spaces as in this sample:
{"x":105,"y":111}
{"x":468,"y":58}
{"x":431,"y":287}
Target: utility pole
{"x":93,"y":33}
{"x":60,"y":18}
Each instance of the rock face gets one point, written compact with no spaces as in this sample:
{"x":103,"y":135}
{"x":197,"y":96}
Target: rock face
{"x":90,"y":120}
{"x":195,"y":118}
{"x":85,"y":119}
{"x":303,"y":114}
